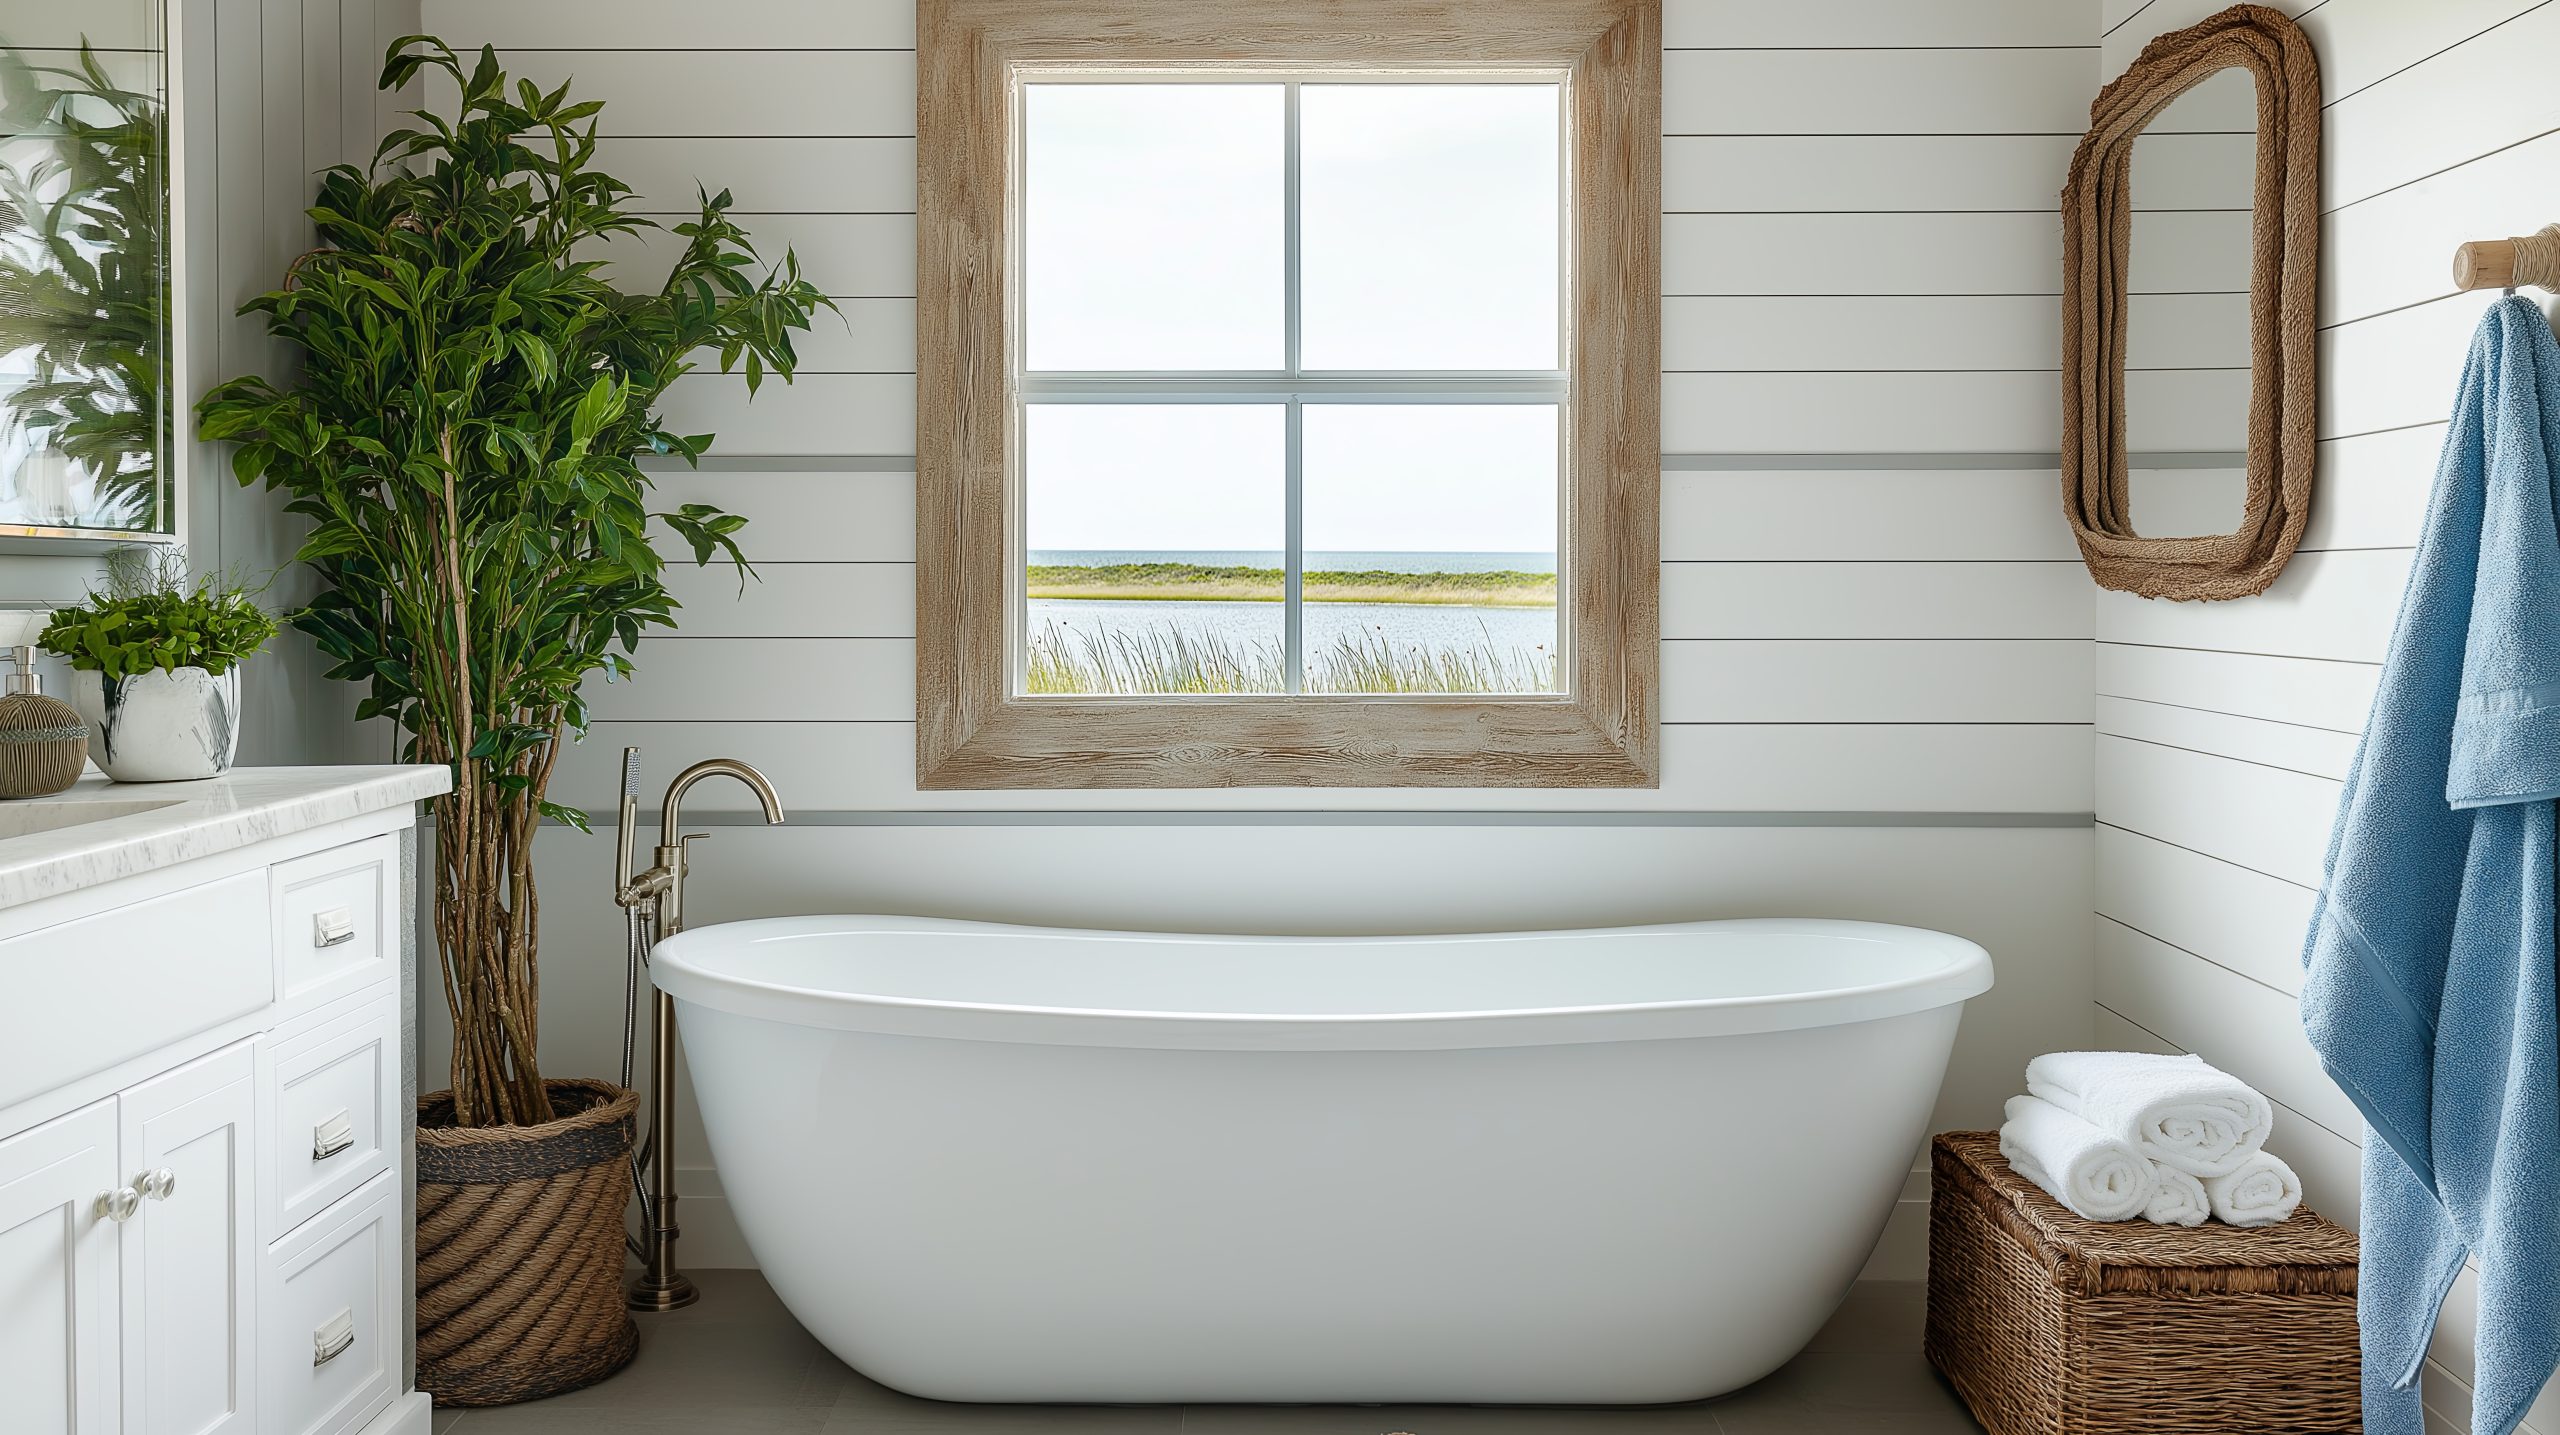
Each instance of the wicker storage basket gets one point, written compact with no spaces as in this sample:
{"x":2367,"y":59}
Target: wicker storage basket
{"x":520,"y":1245}
{"x":2048,"y":1324}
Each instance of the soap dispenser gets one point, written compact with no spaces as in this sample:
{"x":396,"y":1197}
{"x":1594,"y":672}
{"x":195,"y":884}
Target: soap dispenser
{"x":43,"y":742}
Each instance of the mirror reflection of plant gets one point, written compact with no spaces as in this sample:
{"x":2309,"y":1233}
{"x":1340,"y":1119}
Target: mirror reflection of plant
{"x":150,"y":617}
{"x":463,"y":438}
{"x":84,"y":281}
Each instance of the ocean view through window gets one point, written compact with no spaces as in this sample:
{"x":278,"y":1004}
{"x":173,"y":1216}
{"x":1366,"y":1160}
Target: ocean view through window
{"x":1291,"y":388}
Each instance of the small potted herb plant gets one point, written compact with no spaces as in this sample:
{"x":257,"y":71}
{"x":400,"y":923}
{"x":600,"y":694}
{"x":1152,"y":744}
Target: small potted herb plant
{"x":156,"y":663}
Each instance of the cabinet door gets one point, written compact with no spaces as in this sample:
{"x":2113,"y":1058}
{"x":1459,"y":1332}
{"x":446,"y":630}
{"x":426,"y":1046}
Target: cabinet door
{"x":188,"y":1254}
{"x":58,"y":1277}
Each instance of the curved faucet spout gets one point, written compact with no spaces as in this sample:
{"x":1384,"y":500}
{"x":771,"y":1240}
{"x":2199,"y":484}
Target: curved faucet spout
{"x":672,"y":815}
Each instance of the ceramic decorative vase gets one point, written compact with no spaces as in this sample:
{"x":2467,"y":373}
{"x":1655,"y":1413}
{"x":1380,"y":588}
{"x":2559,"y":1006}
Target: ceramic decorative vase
{"x":173,"y":726}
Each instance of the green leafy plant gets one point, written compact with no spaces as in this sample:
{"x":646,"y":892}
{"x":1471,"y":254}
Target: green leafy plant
{"x":474,"y":396}
{"x":84,"y":282}
{"x":149,"y":618}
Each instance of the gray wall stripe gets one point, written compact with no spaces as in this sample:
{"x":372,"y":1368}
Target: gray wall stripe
{"x":649,"y":819}
{"x":1671,"y":462}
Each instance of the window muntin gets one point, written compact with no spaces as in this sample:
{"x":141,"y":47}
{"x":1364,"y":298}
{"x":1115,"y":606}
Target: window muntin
{"x":1418,"y":390}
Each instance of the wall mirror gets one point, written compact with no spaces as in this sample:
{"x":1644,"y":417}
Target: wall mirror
{"x":2190,"y":229}
{"x":85,"y":343}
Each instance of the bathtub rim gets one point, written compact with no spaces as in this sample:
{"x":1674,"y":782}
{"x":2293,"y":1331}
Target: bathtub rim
{"x":677,"y":967}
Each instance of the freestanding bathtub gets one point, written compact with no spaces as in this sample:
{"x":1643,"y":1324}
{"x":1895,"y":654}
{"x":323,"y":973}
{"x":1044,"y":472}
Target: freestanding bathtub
{"x":999,"y":1163}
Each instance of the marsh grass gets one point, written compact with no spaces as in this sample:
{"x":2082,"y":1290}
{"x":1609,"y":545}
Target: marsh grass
{"x":1166,"y":658}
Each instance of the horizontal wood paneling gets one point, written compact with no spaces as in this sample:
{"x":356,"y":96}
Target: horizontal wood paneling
{"x":783,"y":176}
{"x":2325,"y":605}
{"x":1740,"y":334}
{"x":2247,"y":921}
{"x":685,"y":25}
{"x":1864,"y":254}
{"x":796,"y":600}
{"x":1860,"y":413}
{"x":1876,"y":92}
{"x":1861,"y":681}
{"x":1853,"y":24}
{"x":1875,"y":600}
{"x":1809,"y":767}
{"x":846,"y":255}
{"x":814,"y":414}
{"x":2306,"y":692}
{"x":1994,"y":515}
{"x":764,"y":93}
{"x":806,"y":517}
{"x":2264,"y":818}
{"x":2362,"y":42}
{"x":2453,"y":107}
{"x":2372,"y":490}
{"x":1744,"y":174}
{"x":2396,"y":249}
{"x":2398,"y":369}
{"x":2315,"y":752}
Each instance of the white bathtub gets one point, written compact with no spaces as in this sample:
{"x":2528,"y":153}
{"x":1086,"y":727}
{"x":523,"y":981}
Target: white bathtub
{"x":1597,"y":1167}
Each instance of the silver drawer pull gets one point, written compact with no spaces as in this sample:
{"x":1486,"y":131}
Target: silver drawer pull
{"x":333,"y":1337}
{"x":333,"y":928}
{"x":332,"y":1136}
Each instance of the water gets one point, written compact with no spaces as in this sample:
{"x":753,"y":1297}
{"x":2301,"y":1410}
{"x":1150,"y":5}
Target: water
{"x":1318,"y":561}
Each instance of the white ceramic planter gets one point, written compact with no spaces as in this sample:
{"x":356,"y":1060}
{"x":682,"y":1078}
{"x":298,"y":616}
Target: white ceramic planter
{"x":173,"y":726}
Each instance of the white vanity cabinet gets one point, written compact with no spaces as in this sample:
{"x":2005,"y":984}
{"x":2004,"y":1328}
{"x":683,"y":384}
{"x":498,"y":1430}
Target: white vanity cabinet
{"x":206,"y":1098}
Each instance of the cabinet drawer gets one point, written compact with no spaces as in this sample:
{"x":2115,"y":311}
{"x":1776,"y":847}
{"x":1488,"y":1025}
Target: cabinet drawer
{"x":328,"y":1319}
{"x":333,"y":914}
{"x":329,"y":1110}
{"x":87,"y":994}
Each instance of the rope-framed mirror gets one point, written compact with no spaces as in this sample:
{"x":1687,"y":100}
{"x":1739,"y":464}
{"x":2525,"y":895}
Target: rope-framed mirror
{"x":2226,"y":300}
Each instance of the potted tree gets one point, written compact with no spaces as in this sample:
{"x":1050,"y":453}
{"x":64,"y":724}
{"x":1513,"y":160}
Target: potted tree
{"x":464,"y":437}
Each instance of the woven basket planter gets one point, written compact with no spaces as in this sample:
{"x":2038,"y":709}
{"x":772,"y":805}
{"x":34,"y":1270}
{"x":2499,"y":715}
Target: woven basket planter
{"x":2048,"y":1324}
{"x":520,"y":1246}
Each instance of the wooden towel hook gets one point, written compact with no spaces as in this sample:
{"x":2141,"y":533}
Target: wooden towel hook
{"x":2505,"y":263}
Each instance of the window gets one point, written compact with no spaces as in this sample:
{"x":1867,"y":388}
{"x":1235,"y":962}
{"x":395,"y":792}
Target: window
{"x":1288,"y":400}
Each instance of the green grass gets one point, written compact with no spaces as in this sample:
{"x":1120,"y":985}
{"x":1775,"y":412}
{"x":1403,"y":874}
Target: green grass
{"x":1170,"y":659}
{"x":1194,"y":582}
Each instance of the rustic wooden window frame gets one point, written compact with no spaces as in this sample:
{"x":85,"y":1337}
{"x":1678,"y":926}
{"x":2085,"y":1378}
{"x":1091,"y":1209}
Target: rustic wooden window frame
{"x":972,"y":729}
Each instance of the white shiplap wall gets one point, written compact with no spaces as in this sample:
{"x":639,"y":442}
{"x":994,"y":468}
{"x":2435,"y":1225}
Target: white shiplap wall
{"x":1873,"y":618}
{"x":2224,"y":730}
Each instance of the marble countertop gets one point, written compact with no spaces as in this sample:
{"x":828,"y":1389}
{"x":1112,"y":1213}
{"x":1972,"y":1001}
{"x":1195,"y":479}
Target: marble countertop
{"x":63,"y":843}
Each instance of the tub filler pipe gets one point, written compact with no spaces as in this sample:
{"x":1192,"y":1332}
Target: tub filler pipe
{"x":654,"y":903}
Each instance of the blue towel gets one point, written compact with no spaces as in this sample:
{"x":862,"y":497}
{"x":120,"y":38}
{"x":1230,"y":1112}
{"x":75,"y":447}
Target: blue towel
{"x":2428,"y":990}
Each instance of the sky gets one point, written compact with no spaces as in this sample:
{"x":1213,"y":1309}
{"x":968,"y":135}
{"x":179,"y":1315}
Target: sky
{"x":1155,"y":239}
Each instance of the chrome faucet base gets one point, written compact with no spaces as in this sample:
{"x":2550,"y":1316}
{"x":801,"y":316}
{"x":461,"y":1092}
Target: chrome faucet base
{"x":674,"y":1292}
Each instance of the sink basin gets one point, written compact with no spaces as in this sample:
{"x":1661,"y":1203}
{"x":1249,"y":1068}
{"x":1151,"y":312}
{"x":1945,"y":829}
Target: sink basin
{"x":24,"y":819}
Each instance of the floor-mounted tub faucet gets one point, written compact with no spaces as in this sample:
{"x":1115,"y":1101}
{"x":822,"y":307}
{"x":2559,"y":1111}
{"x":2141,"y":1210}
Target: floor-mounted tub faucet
{"x":659,"y":893}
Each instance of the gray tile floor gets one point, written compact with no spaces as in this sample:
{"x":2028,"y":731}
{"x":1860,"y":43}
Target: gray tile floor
{"x":737,"y":1364}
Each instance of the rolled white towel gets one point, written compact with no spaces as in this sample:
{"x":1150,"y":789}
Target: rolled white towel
{"x":2095,"y":1175}
{"x":2262,"y":1192}
{"x":2180,"y":1201}
{"x":2174,"y":1109}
